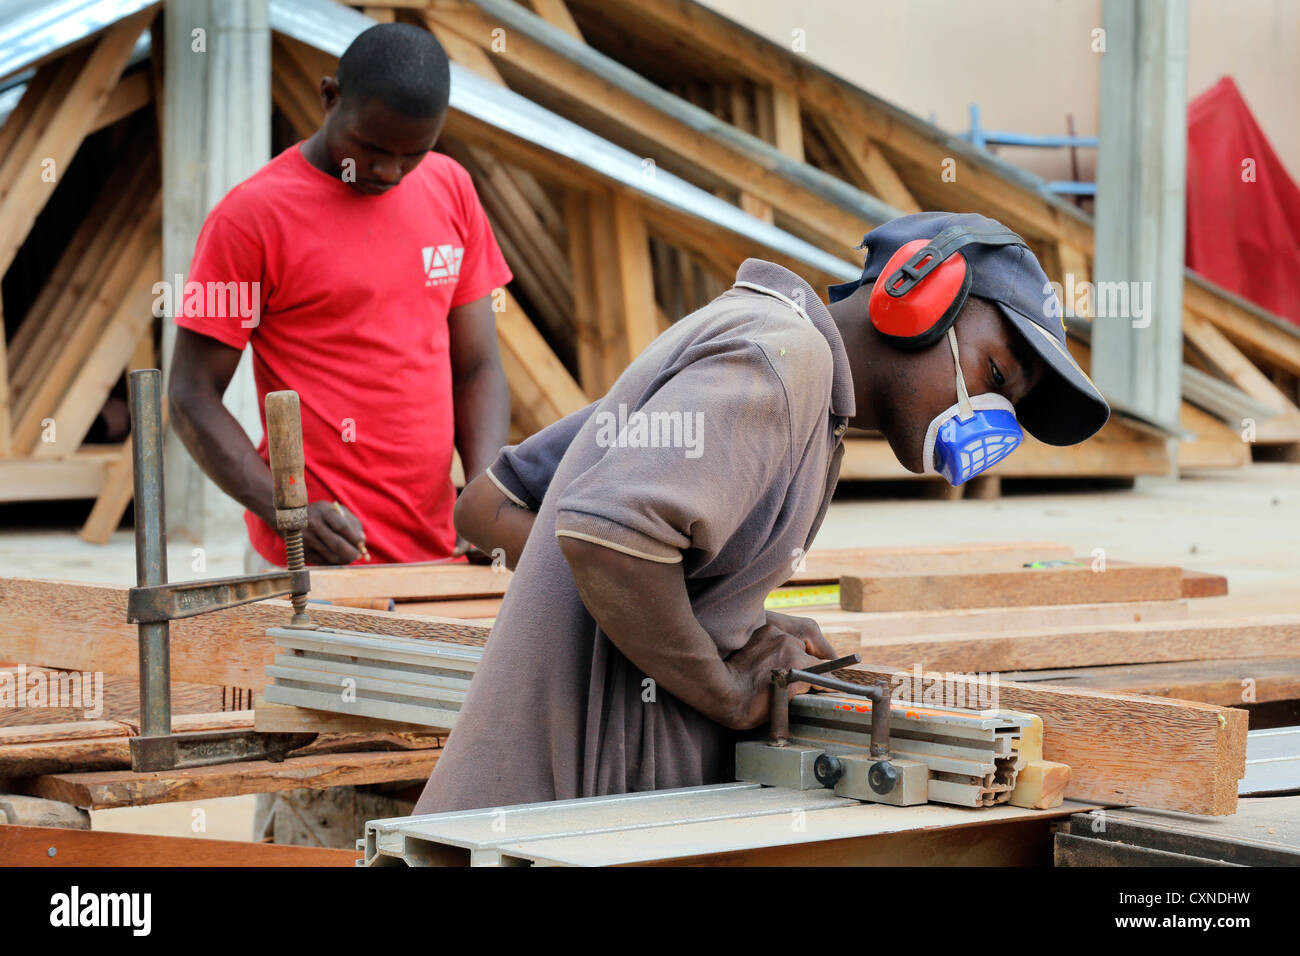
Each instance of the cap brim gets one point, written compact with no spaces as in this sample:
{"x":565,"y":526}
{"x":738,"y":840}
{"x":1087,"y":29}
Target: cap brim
{"x":1064,"y":408}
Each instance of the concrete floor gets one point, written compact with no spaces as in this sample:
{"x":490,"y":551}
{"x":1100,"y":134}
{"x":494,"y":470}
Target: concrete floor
{"x":1244,"y":523}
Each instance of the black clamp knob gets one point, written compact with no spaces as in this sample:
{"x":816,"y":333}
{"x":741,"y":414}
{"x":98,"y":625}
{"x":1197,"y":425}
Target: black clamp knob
{"x":828,"y":769}
{"x":883,"y":776}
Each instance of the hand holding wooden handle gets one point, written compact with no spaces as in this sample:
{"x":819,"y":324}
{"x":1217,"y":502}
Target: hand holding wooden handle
{"x":284,"y":441}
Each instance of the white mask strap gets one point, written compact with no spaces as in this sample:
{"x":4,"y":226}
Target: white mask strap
{"x":963,"y":399}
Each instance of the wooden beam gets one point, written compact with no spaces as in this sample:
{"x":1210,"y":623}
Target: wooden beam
{"x":83,"y":627}
{"x":81,"y":476}
{"x":1228,"y":362}
{"x":1275,"y":342}
{"x":283,"y":718}
{"x":902,"y":625}
{"x":6,"y":413}
{"x":1122,"y":748}
{"x":103,"y":789}
{"x":632,"y":253}
{"x":119,"y":488}
{"x":867,"y":166}
{"x":1051,"y":585}
{"x":82,"y":266}
{"x":556,"y":13}
{"x":132,"y":92}
{"x":1228,"y":683}
{"x":425,"y":581}
{"x":32,"y":846}
{"x":1053,"y":646}
{"x":787,"y":122}
{"x":123,"y":277}
{"x":94,"y":380}
{"x":828,"y":565}
{"x":541,"y":389}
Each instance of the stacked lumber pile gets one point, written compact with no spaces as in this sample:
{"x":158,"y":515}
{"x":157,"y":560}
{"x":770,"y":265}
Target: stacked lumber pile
{"x":57,"y":754}
{"x":1105,"y":650}
{"x":1094,"y":656}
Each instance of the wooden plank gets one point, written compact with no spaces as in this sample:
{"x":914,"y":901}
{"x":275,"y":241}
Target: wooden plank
{"x":119,"y":699}
{"x":787,"y":121}
{"x":82,"y":476}
{"x":132,"y":92}
{"x":1199,"y":584}
{"x":632,"y":252}
{"x":1053,"y":585}
{"x":83,"y":627}
{"x":541,"y":389}
{"x":83,"y":265}
{"x":283,"y":718}
{"x":38,"y":403}
{"x":1216,"y":446}
{"x":81,"y":751}
{"x":114,"y":495}
{"x":94,"y":380}
{"x":1275,"y":343}
{"x":903,"y":624}
{"x":867,"y":167}
{"x":32,"y":846}
{"x":72,"y":118}
{"x":102,"y":789}
{"x":605,"y":341}
{"x":1229,"y":363}
{"x":469,"y":608}
{"x":828,"y":565}
{"x":1228,"y":683}
{"x":1048,"y":647}
{"x":6,"y":403}
{"x":427,"y":581}
{"x":1122,"y":748}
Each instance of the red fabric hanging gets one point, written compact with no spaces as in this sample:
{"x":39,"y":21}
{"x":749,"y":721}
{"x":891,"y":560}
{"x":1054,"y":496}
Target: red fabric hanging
{"x":1243,"y":235}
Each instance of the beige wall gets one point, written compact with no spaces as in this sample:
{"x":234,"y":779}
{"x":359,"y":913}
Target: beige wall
{"x":1028,"y":63}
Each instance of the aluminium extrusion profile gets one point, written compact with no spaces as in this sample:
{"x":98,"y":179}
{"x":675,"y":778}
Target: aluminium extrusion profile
{"x":695,"y":824}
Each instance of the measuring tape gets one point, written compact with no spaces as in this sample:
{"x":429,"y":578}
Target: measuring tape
{"x":803,"y":597}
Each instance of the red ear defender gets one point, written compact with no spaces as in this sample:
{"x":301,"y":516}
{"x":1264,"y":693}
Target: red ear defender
{"x":915,"y":300}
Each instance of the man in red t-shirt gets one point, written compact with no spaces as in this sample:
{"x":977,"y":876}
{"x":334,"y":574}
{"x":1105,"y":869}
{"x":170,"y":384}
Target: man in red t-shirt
{"x":359,"y":265}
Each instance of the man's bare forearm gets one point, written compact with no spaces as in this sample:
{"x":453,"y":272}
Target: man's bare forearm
{"x":481,"y":401}
{"x":644,"y":608}
{"x":222,"y":449}
{"x":490,"y":521}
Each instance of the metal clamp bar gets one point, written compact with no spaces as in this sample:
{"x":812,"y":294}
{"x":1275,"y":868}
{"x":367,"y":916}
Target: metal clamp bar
{"x":144,"y":389}
{"x":169,"y":602}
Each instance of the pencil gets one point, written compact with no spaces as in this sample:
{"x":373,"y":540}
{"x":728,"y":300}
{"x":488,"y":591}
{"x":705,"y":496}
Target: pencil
{"x":364,"y":553}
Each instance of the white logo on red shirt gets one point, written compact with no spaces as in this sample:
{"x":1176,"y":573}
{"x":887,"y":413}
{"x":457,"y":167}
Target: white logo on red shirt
{"x":442,"y":263}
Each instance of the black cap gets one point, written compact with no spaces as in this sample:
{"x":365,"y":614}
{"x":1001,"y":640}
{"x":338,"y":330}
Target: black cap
{"x":1064,"y":408}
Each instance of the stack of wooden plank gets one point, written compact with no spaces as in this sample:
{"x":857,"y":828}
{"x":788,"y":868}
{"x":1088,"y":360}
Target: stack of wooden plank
{"x":1125,"y":747}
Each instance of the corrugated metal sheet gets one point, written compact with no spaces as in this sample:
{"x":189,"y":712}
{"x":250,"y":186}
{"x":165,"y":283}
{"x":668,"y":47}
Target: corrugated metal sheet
{"x":31,"y":30}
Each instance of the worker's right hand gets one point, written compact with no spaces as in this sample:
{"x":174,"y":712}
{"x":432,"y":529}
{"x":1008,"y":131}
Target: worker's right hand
{"x":769,"y":648}
{"x":333,"y":534}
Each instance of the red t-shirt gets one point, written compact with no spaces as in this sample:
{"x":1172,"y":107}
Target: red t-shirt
{"x":353,"y":297}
